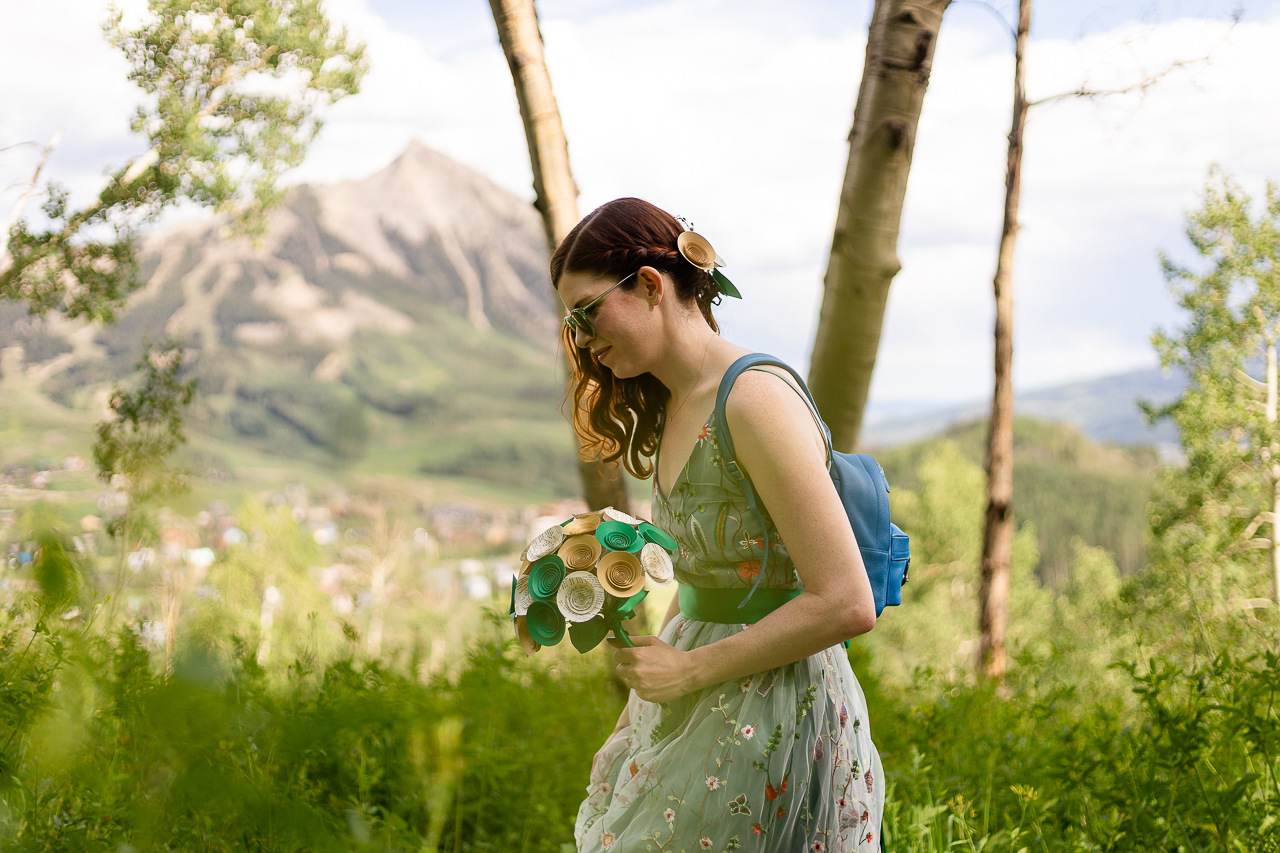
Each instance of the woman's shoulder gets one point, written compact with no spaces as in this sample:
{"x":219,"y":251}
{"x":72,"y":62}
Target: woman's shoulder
{"x":765,"y":408}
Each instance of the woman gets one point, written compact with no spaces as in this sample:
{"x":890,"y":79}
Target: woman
{"x":735,"y":736}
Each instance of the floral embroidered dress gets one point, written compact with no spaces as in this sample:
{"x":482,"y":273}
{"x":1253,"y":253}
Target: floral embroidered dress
{"x":779,"y":761}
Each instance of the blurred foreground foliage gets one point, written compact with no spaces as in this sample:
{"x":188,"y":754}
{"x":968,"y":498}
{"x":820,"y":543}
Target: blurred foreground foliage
{"x":102,"y":752}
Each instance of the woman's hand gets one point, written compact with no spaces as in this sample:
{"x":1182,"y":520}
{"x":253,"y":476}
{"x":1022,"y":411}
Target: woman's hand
{"x":656,"y":671}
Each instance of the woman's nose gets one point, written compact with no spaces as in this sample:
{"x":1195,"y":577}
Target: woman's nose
{"x":580,"y":337}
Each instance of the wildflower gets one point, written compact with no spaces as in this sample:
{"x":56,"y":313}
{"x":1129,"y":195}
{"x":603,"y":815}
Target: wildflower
{"x":751,"y":543}
{"x":605,"y":788}
{"x":704,"y":843}
{"x":634,"y":769}
{"x":706,"y":432}
{"x":749,"y":569}
{"x":773,"y":793}
{"x":781,"y":811}
{"x":748,"y":732}
{"x":865,"y":815}
{"x":712,"y":783}
{"x":818,"y":847}
{"x":1026,"y":793}
{"x":843,"y":802}
{"x":757,"y":828}
{"x":607,"y":841}
{"x":670,"y":815}
{"x":844,"y":714}
{"x":868,"y":780}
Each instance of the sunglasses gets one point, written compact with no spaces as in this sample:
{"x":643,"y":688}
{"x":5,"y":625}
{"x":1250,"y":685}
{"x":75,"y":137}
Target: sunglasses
{"x":577,"y":318}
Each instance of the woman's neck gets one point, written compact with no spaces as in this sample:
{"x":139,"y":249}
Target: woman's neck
{"x":689,"y":361}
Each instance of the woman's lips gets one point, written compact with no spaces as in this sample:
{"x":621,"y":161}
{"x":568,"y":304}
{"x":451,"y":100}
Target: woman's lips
{"x":601,"y":352}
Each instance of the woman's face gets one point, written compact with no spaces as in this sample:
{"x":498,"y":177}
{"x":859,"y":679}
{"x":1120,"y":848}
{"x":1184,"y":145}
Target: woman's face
{"x":623,"y":321}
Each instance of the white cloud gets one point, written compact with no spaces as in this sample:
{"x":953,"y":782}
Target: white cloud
{"x":736,"y":117}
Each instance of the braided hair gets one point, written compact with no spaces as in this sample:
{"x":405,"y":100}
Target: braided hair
{"x":623,"y":418}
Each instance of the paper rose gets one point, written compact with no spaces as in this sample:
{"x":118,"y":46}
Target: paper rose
{"x":619,"y":536}
{"x":618,"y":515}
{"x":522,"y":634}
{"x":657,"y":564}
{"x":521,"y":599}
{"x":546,"y":625}
{"x":545,"y":576}
{"x":620,"y":574}
{"x":585,"y":522}
{"x":580,"y":552}
{"x":544,"y":543}
{"x":657,"y":536}
{"x":580,"y":597}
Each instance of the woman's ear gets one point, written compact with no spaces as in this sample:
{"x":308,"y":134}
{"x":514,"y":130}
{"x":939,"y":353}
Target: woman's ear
{"x":652,"y":286}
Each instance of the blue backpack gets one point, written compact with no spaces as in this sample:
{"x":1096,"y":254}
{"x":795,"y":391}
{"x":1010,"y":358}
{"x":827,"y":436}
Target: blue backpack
{"x":859,"y":480}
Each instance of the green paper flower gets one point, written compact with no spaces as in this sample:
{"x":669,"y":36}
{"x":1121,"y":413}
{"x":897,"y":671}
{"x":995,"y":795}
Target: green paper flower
{"x":657,"y":536}
{"x":545,"y":623}
{"x":544,"y":578}
{"x":618,"y":536}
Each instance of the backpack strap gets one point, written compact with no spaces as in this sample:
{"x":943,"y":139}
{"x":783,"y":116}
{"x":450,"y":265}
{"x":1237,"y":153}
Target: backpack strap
{"x":728,"y":455}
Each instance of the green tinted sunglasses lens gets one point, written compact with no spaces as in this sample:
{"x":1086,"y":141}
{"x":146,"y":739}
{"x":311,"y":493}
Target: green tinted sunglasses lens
{"x":577,"y":319}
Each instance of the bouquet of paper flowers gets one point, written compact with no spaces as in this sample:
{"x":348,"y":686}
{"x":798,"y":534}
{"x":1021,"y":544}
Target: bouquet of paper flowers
{"x":587,"y":574}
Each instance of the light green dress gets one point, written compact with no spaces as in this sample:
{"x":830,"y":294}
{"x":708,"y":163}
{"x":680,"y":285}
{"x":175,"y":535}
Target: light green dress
{"x":779,"y":761}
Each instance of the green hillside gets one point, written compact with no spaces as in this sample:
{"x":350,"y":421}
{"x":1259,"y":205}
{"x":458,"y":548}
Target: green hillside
{"x":1065,"y":484}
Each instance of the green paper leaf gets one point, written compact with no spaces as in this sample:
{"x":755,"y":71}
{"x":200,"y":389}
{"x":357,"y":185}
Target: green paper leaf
{"x":726,"y":286}
{"x":585,"y":636}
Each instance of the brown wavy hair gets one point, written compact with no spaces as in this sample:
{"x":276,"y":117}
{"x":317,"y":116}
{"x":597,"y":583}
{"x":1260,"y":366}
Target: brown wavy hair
{"x":623,"y":418}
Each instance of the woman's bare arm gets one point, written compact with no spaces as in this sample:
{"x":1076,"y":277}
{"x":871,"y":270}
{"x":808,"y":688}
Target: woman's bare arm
{"x":778,"y":443}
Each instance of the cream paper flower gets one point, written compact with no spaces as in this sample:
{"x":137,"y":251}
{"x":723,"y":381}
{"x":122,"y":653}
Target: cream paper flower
{"x":523,"y":598}
{"x":618,"y":515}
{"x":656,"y":563}
{"x":580,"y":596}
{"x":544,"y":543}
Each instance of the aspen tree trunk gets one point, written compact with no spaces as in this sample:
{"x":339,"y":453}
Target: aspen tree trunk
{"x":864,"y":248}
{"x":1275,"y":467}
{"x":997,"y":539}
{"x":556,"y":194}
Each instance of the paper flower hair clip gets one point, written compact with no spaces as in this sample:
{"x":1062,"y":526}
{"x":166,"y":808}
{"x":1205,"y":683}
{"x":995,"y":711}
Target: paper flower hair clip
{"x":697,"y":250}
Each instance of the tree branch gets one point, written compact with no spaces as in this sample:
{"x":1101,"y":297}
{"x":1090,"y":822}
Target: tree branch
{"x":25,"y":197}
{"x":1145,"y":83}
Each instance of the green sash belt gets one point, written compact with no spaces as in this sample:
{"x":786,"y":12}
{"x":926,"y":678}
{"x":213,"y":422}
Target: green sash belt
{"x":721,"y":605}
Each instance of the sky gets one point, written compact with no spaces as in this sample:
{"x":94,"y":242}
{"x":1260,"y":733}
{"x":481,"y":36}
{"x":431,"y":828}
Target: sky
{"x":735,"y":115}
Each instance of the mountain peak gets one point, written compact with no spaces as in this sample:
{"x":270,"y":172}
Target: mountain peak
{"x":423,"y":230}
